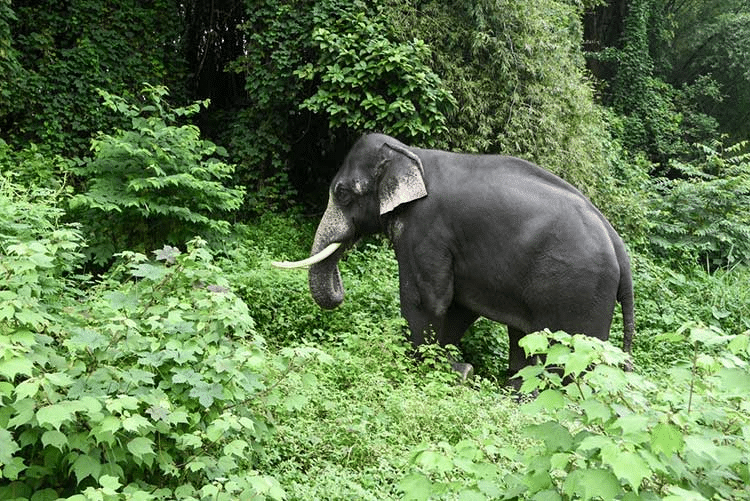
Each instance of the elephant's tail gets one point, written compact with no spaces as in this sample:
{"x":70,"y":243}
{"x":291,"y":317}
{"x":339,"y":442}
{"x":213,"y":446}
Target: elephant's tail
{"x":625,"y":297}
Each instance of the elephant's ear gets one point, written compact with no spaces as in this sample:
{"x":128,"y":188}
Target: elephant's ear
{"x":401,"y":177}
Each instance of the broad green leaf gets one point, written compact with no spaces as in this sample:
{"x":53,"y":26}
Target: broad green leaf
{"x":578,"y":362}
{"x":435,"y":461}
{"x":59,"y":379}
{"x":634,"y":427}
{"x":734,"y":382}
{"x":740,"y":344}
{"x":597,"y":442}
{"x":555,"y":436}
{"x":85,"y":466}
{"x":13,"y":367}
{"x":627,"y":465}
{"x":142,"y":449}
{"x":24,"y":412}
{"x":55,"y":415}
{"x":548,"y":495}
{"x":471,"y":495}
{"x":596,"y":411}
{"x":149,"y":271}
{"x":680,"y":494}
{"x":8,"y":446}
{"x":416,"y":487}
{"x":13,"y":468}
{"x":548,"y":400}
{"x":27,"y":388}
{"x":54,"y":438}
{"x":534,"y":343}
{"x":110,"y":482}
{"x":666,"y":439}
{"x":236,"y":448}
{"x":557,"y":354}
{"x":587,"y":484}
{"x":295,"y":402}
{"x":135,"y":423}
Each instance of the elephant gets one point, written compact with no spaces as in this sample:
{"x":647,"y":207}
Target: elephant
{"x":475,"y":235}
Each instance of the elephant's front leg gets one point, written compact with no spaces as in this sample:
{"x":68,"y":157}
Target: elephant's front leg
{"x":426,"y":290}
{"x":517,"y":358}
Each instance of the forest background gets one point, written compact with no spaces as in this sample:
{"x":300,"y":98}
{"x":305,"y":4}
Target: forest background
{"x":156,"y":155}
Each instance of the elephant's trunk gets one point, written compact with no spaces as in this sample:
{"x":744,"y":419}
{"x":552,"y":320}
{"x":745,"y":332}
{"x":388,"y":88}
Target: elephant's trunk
{"x":324,"y":277}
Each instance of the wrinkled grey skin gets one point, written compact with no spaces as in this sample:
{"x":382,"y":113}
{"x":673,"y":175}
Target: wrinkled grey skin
{"x":477,"y":235}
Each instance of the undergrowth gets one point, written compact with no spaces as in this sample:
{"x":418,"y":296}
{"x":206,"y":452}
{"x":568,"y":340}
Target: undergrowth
{"x":199,"y":373}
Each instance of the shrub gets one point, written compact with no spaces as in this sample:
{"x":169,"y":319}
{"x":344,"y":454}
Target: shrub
{"x":604,"y":433}
{"x":156,"y":183}
{"x":368,"y":82}
{"x":155,"y":385}
{"x":704,"y":214}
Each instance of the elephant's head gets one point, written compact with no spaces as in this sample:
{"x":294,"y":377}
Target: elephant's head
{"x":378,"y":174}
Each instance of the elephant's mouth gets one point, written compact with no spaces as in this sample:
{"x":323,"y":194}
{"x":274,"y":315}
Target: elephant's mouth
{"x":326,"y":286}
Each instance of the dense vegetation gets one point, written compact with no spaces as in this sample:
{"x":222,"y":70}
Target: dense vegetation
{"x":156,"y":156}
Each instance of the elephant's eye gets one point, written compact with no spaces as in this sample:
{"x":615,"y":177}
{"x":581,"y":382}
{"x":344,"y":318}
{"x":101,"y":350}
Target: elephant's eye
{"x":344,"y":195}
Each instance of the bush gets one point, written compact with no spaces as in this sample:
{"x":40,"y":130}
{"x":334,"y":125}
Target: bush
{"x":154,"y":385}
{"x":704,"y":214}
{"x":367,"y":82}
{"x":606,"y":434}
{"x":155,"y":183}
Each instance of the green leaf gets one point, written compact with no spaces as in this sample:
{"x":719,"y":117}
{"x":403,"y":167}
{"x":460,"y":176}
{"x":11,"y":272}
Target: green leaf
{"x":85,"y":466}
{"x":59,"y":379}
{"x":591,"y":483}
{"x":434,"y":461}
{"x":627,"y":465}
{"x":471,"y":495}
{"x":27,"y":389}
{"x":8,"y":446}
{"x":13,"y":367}
{"x":109,"y":482}
{"x":416,"y":487}
{"x":54,"y":438}
{"x":143,"y":449}
{"x":135,"y":423}
{"x":555,"y":436}
{"x":55,"y":415}
{"x":548,"y":400}
{"x":596,"y":411}
{"x":578,"y":362}
{"x":666,"y":439}
{"x":534,"y":343}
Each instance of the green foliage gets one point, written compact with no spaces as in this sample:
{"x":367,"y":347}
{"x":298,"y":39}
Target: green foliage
{"x":36,"y":251}
{"x":318,"y":73}
{"x":154,"y":385}
{"x":68,"y":50}
{"x":31,"y":167}
{"x":602,"y":433}
{"x":155,"y":182}
{"x":367,"y":82}
{"x":710,"y":41}
{"x":517,"y":74}
{"x":9,"y":66}
{"x":704,"y":214}
{"x":661,"y":117}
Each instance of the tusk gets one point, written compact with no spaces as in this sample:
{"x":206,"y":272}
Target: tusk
{"x":310,"y":260}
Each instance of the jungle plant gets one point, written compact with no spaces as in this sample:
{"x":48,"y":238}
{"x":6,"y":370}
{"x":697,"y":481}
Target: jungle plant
{"x":157,"y":182}
{"x":156,"y":385}
{"x":607,"y":434}
{"x":704,"y":213}
{"x":368,"y":82}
